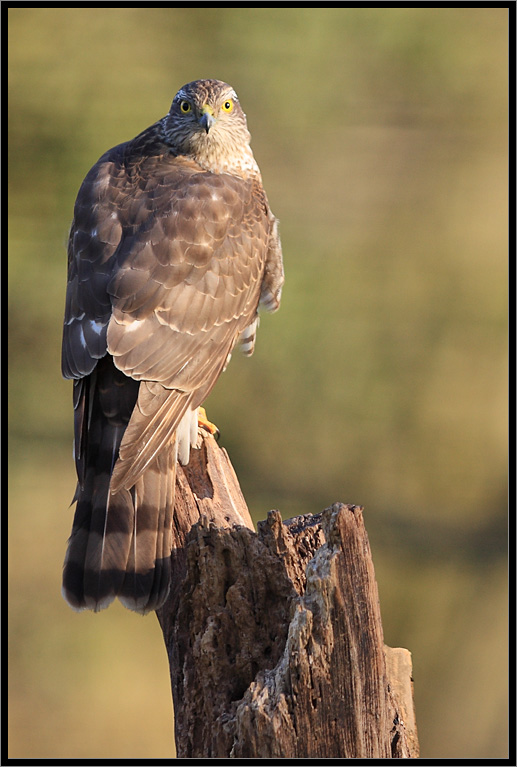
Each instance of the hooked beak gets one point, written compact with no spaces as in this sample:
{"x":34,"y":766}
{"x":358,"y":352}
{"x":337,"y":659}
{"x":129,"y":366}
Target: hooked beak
{"x":207,"y":118}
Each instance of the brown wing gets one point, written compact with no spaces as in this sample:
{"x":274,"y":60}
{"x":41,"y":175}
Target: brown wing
{"x":165,"y":272}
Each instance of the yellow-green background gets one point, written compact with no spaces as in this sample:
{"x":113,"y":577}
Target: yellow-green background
{"x":382,"y":139}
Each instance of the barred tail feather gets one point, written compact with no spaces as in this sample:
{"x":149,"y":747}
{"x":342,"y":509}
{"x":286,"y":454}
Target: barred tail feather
{"x":147,"y":578}
{"x":121,"y":543}
{"x":121,"y":538}
{"x":98,"y":550}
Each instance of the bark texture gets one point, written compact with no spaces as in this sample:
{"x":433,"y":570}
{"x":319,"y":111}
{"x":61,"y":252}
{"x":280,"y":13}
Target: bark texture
{"x":275,"y":637}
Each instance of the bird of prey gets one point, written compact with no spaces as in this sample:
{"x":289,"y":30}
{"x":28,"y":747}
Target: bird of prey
{"x":172,"y":249}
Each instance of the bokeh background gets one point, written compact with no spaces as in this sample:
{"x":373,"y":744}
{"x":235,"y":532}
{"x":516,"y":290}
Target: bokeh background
{"x":382,"y":139}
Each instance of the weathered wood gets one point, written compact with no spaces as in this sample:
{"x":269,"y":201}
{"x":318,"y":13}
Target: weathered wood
{"x":206,"y":487}
{"x":275,"y":638}
{"x":399,"y":669}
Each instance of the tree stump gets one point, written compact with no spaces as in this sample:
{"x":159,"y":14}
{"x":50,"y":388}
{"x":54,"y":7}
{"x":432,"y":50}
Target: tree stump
{"x":274,"y":637}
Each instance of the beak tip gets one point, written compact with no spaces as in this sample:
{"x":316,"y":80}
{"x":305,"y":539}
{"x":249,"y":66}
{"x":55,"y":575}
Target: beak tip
{"x":206,"y":121}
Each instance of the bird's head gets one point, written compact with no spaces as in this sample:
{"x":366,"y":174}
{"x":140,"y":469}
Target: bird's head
{"x":206,"y":122}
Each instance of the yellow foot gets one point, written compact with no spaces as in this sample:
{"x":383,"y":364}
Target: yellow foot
{"x":204,"y":423}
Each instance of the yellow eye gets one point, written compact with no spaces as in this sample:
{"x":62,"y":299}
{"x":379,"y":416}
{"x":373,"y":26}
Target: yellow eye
{"x":228,"y":105}
{"x":185,"y":107}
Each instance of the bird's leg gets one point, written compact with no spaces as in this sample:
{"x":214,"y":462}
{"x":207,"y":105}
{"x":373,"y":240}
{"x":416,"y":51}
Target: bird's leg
{"x":204,"y":423}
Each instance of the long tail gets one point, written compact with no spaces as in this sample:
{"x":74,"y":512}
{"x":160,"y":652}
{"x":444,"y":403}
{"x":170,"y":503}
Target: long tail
{"x":121,"y":541}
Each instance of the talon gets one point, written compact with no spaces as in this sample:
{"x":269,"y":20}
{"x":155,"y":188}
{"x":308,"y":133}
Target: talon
{"x":204,"y":423}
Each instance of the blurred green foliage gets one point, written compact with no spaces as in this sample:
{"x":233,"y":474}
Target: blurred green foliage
{"x":382,"y":138}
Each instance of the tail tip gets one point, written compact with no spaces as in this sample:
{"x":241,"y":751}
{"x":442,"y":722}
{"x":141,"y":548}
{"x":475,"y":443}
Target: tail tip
{"x":81,"y":603}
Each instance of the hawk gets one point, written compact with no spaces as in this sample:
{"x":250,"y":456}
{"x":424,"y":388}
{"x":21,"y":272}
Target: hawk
{"x":172,"y":249}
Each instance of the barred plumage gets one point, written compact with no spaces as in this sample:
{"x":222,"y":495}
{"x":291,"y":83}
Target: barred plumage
{"x":172,"y":247}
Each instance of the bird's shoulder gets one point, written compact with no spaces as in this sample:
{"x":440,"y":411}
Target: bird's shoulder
{"x":146,"y":172}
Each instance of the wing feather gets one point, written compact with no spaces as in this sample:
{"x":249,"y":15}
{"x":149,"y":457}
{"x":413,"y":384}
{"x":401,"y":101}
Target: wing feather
{"x":165,"y":270}
{"x":167,"y":264}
